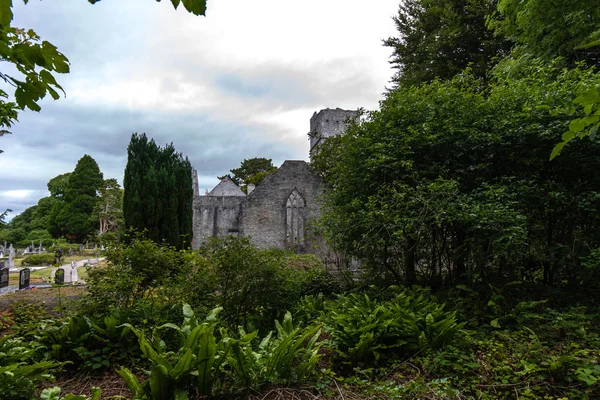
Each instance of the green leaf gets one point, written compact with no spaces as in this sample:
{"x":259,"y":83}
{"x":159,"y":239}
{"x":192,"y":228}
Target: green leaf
{"x":587,"y":97}
{"x":50,"y":393}
{"x":557,"y":149}
{"x":6,"y":14}
{"x":588,"y":45}
{"x":183,"y":365}
{"x":132,"y":382}
{"x":196,"y":7}
{"x":567,"y":136}
{"x":577,"y":125}
{"x":160,"y":383}
{"x":494,"y":323}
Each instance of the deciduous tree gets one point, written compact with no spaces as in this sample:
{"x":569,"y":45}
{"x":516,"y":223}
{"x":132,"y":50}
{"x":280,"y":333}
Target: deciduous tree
{"x":440,"y":38}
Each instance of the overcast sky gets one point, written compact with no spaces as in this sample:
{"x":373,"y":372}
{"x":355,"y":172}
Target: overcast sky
{"x":241,"y":82}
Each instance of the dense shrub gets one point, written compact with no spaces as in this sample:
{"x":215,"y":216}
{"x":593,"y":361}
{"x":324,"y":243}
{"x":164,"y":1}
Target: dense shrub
{"x":39,"y":259}
{"x":145,"y":281}
{"x":255,"y":286}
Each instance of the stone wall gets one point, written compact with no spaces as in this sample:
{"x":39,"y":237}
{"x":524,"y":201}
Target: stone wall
{"x":215,"y":216}
{"x":263,"y":213}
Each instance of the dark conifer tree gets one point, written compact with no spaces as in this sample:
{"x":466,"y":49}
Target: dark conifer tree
{"x":158,"y":192}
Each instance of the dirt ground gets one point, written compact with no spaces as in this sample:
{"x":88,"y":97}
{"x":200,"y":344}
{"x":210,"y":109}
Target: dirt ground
{"x":48,"y":297}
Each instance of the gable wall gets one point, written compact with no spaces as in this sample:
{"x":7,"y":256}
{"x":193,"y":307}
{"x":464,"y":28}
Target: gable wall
{"x":263,"y":213}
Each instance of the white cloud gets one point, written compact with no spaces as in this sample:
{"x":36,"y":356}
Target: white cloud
{"x":242,"y":82}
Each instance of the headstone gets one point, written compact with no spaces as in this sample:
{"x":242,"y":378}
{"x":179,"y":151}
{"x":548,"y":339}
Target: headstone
{"x":70,"y":251}
{"x":24,"y":276}
{"x":102,"y":248}
{"x":3,"y":276}
{"x":59,"y":277}
{"x":11,"y":255}
{"x":74,"y":275}
{"x":86,"y":245}
{"x":80,"y":248}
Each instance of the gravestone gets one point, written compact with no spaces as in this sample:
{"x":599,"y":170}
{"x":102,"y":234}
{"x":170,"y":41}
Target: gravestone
{"x":70,"y":251}
{"x":59,"y":277}
{"x":3,"y":276}
{"x":24,"y":276}
{"x":80,"y":248}
{"x":11,"y":255}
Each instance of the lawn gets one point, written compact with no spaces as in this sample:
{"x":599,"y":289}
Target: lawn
{"x":46,"y":273}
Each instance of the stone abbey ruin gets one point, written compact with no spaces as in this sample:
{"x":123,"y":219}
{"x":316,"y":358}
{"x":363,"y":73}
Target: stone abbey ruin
{"x":278,"y":212}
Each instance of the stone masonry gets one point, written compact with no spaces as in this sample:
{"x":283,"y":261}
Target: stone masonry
{"x":278,"y":212}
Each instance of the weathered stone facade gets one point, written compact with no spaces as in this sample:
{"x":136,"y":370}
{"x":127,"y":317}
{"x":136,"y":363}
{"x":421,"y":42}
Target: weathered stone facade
{"x":279,"y":211}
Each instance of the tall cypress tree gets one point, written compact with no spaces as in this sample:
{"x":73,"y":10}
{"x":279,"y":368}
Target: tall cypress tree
{"x":158,"y":192}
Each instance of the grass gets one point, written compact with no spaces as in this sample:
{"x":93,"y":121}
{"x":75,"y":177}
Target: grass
{"x":46,"y":273}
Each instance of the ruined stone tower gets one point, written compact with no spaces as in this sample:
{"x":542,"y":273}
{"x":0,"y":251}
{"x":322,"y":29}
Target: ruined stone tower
{"x":327,"y":123}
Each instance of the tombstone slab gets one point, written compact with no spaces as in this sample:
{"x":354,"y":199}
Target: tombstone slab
{"x":59,"y":277}
{"x":24,"y":277}
{"x":3,"y":276}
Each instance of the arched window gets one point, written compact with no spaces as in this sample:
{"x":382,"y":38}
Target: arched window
{"x":295,"y":219}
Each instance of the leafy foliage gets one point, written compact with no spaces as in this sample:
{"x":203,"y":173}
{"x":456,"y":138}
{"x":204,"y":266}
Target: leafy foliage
{"x":561,"y":29}
{"x":19,"y":372}
{"x":439,"y":39}
{"x":368,"y":332}
{"x":39,"y":259}
{"x":73,"y":217}
{"x":204,"y":361}
{"x":252,"y":171}
{"x":451,"y":181}
{"x":588,"y":125}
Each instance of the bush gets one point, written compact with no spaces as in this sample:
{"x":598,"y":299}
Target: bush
{"x":145,"y":282}
{"x":367,"y":333}
{"x":142,"y":282}
{"x":39,"y":259}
